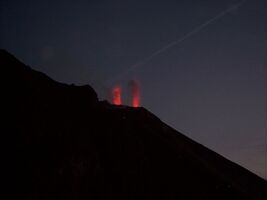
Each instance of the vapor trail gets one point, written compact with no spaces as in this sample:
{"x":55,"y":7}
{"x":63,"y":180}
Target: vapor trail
{"x":186,"y":36}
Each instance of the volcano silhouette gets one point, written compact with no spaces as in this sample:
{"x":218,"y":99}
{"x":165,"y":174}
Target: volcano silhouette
{"x":69,"y":145}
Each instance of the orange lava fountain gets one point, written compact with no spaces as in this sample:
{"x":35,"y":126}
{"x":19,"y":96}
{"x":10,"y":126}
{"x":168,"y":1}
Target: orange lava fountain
{"x":135,"y":92}
{"x":116,"y":94}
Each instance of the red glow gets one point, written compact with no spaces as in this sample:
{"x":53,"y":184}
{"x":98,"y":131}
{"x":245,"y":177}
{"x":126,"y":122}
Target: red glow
{"x":136,"y":101}
{"x":116,"y":94}
{"x":135,"y":91}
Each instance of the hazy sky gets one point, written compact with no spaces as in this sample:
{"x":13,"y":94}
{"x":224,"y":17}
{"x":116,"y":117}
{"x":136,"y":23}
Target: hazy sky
{"x":211,"y":86}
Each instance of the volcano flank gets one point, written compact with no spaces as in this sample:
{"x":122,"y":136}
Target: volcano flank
{"x":70,"y":145}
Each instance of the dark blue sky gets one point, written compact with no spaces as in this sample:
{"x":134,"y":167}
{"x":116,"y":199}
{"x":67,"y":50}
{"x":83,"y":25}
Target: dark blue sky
{"x":211,"y":86}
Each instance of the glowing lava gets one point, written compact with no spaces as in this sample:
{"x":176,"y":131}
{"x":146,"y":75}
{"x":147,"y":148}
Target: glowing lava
{"x":135,"y":93}
{"x":116,"y":94}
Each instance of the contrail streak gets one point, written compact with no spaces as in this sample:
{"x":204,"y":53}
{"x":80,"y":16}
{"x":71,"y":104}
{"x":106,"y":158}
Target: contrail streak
{"x":186,"y":36}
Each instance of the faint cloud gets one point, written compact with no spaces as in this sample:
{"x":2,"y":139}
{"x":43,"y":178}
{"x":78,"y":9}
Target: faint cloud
{"x":47,"y":53}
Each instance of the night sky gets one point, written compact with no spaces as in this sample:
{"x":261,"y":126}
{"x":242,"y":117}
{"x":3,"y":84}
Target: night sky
{"x":201,"y":64}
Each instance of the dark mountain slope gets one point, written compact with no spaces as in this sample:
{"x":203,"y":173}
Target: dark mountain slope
{"x":69,"y":145}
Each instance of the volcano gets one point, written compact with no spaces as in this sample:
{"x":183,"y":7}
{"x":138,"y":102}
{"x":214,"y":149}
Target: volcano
{"x":69,"y":145}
